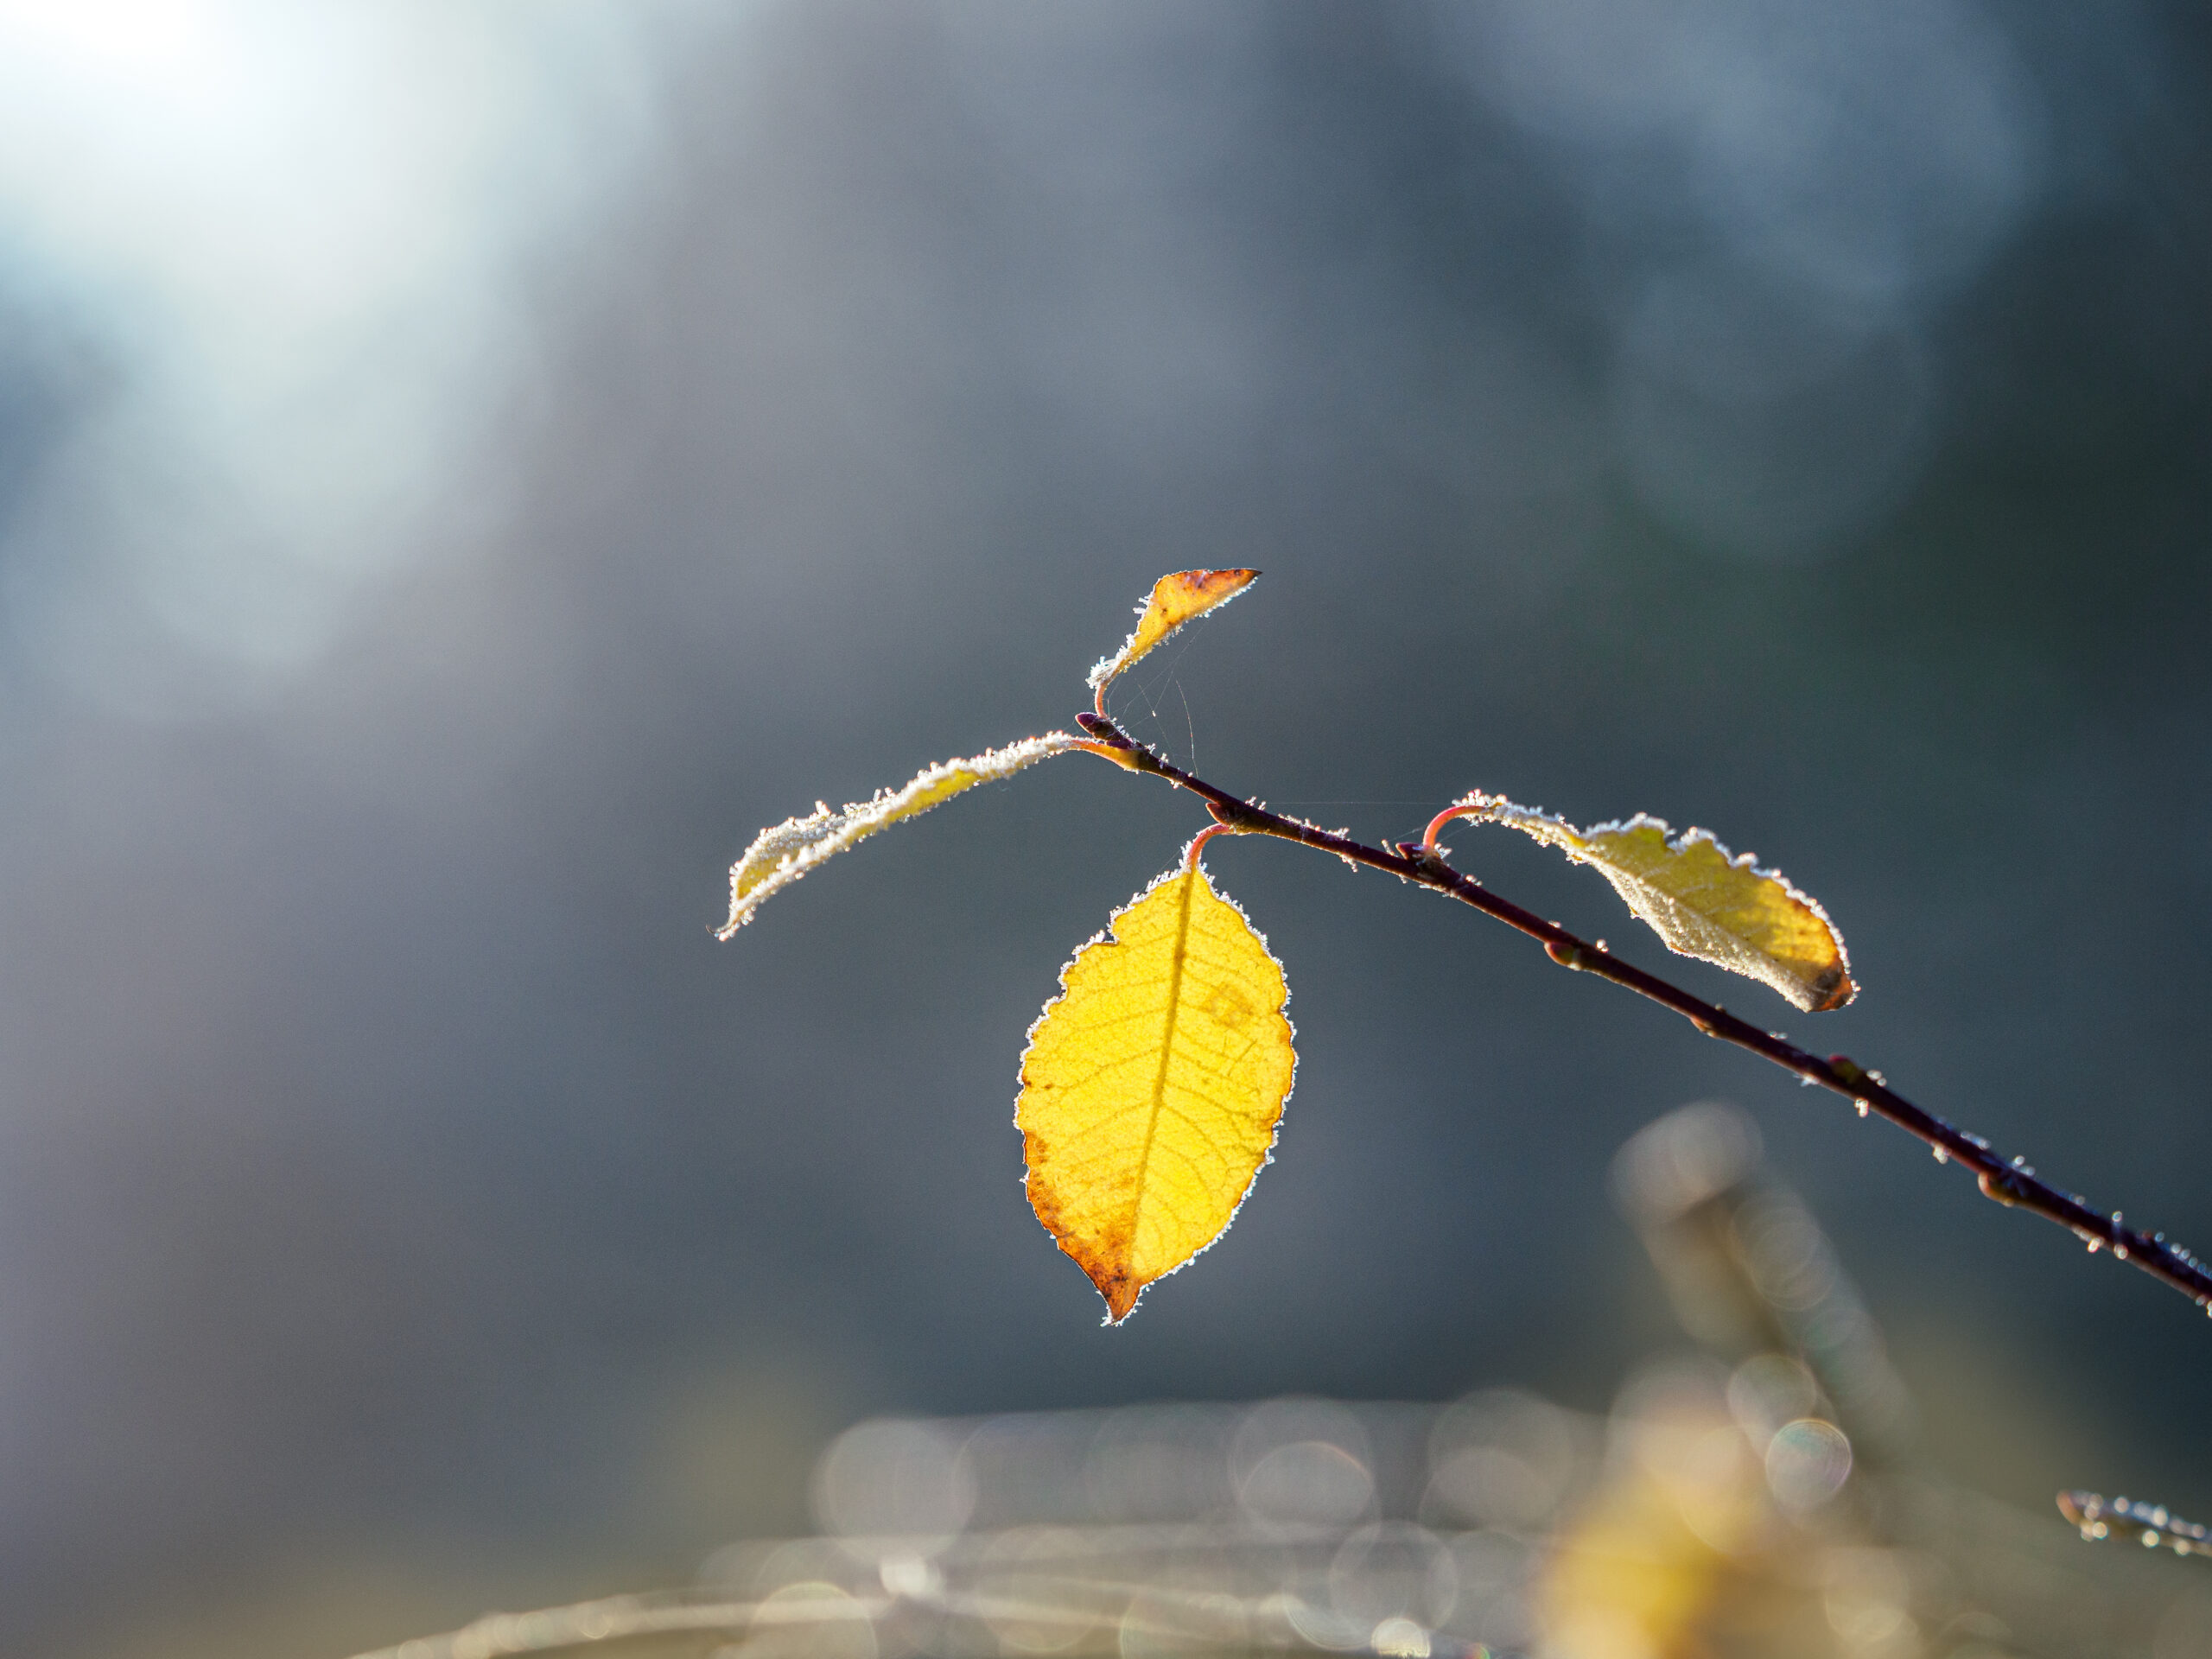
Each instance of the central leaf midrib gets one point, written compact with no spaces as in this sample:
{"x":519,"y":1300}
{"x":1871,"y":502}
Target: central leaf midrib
{"x":1166,"y":1051}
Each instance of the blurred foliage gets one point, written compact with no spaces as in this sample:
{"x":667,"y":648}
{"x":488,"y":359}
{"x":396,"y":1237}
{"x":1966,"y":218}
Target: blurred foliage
{"x":1758,"y":1497}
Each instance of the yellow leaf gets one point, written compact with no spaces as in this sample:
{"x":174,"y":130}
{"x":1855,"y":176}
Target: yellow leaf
{"x":1703,"y":902}
{"x":1175,"y":600}
{"x":1152,"y":1085}
{"x":780,"y":856}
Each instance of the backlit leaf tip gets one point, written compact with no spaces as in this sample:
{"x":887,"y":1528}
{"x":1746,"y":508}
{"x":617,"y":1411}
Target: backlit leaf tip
{"x":1152,"y":1085}
{"x":1174,"y":600}
{"x":780,"y":856}
{"x":1701,"y":900}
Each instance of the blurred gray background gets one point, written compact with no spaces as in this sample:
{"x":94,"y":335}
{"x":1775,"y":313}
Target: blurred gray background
{"x":463,"y":470}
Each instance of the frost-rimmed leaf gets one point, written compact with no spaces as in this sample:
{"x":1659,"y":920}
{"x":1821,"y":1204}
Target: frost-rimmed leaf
{"x":1182,"y":596}
{"x":780,"y":856}
{"x":1703,"y":901}
{"x":1152,"y":1085}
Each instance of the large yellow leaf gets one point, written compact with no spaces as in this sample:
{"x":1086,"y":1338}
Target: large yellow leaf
{"x":780,"y":856}
{"x":1152,"y":1086}
{"x":1174,"y":600}
{"x":1703,"y":902}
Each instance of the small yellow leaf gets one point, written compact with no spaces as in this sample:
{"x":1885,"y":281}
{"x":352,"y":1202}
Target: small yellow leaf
{"x":1174,"y":600}
{"x":1703,"y":902}
{"x":780,"y":856}
{"x":1152,"y":1085}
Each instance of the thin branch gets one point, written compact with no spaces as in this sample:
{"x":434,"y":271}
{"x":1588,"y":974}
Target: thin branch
{"x":2009,"y":1181}
{"x":2149,"y":1525}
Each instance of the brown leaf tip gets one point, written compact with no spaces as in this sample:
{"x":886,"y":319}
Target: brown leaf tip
{"x":1102,"y":1256}
{"x":1832,"y":989}
{"x":1121,"y":1293}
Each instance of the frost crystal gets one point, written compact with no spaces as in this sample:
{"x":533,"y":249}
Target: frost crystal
{"x":780,"y":856}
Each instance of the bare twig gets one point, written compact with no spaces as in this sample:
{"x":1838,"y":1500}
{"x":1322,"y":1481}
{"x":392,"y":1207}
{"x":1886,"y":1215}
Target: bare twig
{"x":2009,"y":1181}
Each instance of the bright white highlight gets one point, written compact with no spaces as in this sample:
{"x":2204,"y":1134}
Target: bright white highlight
{"x":290,"y":240}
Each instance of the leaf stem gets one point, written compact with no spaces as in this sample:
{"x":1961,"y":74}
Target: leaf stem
{"x":2009,"y":1181}
{"x":1436,"y":827}
{"x":1197,"y":843}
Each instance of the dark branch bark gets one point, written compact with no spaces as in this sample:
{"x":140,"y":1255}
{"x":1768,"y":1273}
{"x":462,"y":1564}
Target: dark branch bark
{"x":2009,"y":1181}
